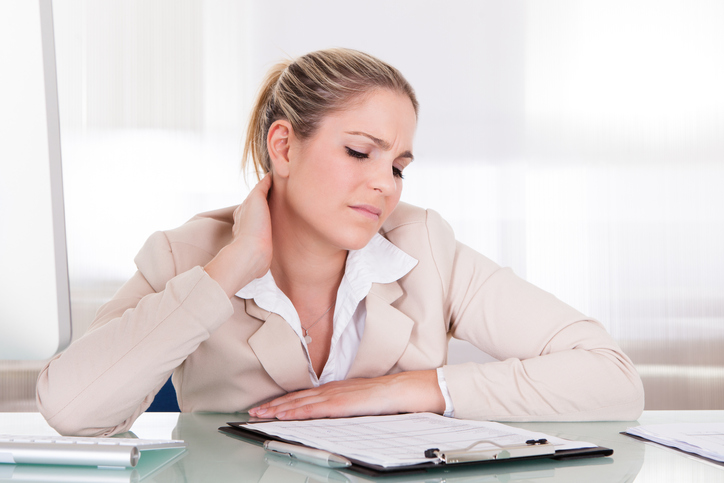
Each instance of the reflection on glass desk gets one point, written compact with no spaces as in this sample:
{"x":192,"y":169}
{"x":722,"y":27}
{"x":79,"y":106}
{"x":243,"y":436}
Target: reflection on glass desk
{"x":215,"y":457}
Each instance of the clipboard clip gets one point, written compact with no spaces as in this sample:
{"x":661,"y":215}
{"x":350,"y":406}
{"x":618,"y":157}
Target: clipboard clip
{"x":532,"y":447}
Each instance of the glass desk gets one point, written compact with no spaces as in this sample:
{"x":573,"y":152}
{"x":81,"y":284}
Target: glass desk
{"x":215,"y":457}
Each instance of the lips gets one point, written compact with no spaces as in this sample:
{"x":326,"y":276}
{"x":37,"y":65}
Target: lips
{"x":368,"y":211}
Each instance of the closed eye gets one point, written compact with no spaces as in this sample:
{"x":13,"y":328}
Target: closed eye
{"x":396,"y":172}
{"x":356,"y":154}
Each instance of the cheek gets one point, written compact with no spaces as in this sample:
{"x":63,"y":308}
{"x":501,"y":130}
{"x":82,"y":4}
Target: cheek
{"x":398,"y":193}
{"x":342,"y":179}
{"x":313,"y":178}
{"x":393,"y":200}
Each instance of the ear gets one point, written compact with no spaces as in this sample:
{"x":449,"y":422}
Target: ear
{"x":277,"y":144}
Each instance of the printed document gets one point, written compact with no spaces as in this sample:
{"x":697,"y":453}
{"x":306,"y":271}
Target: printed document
{"x":399,"y":440}
{"x":704,"y":439}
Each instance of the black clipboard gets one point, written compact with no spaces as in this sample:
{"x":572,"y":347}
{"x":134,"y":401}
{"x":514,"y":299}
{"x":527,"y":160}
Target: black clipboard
{"x":244,"y":431}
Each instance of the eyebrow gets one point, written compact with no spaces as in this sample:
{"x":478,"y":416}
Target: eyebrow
{"x":381,"y":143}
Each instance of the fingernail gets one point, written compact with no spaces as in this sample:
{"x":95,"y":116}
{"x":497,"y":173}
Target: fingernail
{"x":260,"y":411}
{"x":281,"y":414}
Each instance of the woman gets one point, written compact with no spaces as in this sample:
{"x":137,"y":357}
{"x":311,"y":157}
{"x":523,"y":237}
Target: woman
{"x":319,"y":296}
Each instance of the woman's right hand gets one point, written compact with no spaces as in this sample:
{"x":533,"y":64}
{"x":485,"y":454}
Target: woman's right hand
{"x":249,"y":254}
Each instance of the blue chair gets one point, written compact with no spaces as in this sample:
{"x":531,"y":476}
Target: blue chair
{"x":165,"y":401}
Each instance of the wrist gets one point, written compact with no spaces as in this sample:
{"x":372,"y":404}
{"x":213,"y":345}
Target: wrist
{"x":233,"y":268}
{"x":419,"y":391}
{"x":442,"y":384}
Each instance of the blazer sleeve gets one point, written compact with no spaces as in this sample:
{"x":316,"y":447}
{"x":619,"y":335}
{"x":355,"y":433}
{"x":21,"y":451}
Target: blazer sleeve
{"x":556,"y":364}
{"x":108,"y":377}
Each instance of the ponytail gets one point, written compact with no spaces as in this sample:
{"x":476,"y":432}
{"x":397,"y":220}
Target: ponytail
{"x":262,"y":113}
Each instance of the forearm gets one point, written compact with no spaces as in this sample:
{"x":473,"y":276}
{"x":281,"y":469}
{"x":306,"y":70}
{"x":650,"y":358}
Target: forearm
{"x":105,"y":379}
{"x":417,"y":391}
{"x":582,"y":376}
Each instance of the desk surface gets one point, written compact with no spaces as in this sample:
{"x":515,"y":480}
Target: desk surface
{"x":215,"y":457}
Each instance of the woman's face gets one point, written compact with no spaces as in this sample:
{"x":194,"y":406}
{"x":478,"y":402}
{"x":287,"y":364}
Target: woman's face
{"x":346,"y":179}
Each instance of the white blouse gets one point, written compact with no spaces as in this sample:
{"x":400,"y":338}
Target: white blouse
{"x":378,"y":262}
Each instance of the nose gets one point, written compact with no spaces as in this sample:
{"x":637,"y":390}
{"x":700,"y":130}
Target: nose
{"x":383,"y":179}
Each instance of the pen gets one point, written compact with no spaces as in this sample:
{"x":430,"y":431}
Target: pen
{"x":309,"y":455}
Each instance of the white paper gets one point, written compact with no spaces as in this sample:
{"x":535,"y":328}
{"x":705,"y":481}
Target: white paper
{"x":402,"y":439}
{"x":704,"y":439}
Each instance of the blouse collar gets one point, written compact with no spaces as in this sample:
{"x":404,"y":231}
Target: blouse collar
{"x":378,"y":262}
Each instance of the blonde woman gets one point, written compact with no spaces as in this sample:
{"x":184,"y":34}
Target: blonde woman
{"x":322,"y":295}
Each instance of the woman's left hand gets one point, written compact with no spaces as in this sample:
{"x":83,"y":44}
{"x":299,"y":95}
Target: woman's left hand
{"x":405,"y":392}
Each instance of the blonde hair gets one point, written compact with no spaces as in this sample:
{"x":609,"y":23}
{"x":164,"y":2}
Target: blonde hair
{"x":305,"y":90}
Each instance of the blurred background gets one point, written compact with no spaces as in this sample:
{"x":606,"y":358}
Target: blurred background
{"x":580,"y":143}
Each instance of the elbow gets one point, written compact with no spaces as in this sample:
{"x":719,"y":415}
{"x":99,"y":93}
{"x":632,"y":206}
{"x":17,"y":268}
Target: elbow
{"x":58,"y":420}
{"x":49,"y":406}
{"x":629,"y":405}
{"x":632,"y":389}
{"x":69,"y":418}
{"x":70,"y":423}
{"x":65,"y":422}
{"x":633,"y":398}
{"x":67,"y":426}
{"x":623,"y":398}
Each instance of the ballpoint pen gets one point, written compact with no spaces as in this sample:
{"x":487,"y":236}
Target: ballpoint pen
{"x":310,"y":455}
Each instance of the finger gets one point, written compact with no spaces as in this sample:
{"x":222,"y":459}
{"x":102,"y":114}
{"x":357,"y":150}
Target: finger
{"x":272,"y":411}
{"x":264,"y":185}
{"x":307,"y":408}
{"x":326,"y":408}
{"x":237,"y":212}
{"x":315,"y":391}
{"x":328,"y":390}
{"x":307,"y":411}
{"x":286,"y":399}
{"x":337,"y":402}
{"x":328,"y":400}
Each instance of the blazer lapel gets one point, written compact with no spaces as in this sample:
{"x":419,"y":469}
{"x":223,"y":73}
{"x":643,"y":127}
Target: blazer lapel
{"x":387,"y":332}
{"x":279,"y":350}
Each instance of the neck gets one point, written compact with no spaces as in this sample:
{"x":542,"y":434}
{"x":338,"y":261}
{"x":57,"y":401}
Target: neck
{"x":307,"y":271}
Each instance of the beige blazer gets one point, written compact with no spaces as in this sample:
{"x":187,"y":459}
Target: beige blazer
{"x":229,"y":355}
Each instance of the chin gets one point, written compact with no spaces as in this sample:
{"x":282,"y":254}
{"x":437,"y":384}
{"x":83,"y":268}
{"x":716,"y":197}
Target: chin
{"x":355,"y":240}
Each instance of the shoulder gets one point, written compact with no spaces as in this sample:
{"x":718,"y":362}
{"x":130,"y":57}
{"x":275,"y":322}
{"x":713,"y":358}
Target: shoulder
{"x":424,"y":235}
{"x":407,"y":217}
{"x":412,"y":225}
{"x":209,"y":231}
{"x":170,"y":252}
